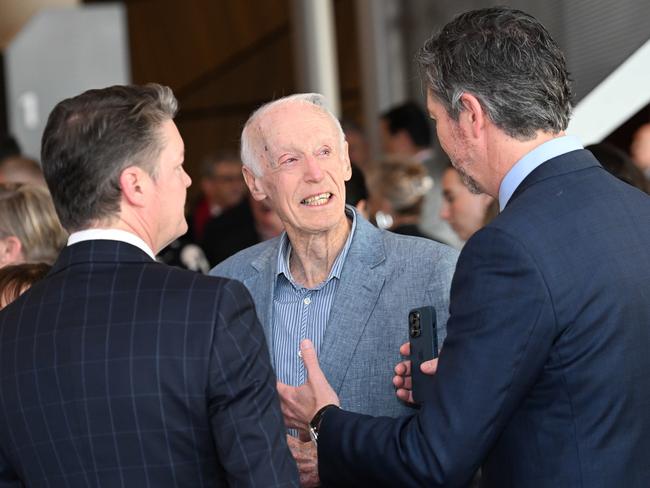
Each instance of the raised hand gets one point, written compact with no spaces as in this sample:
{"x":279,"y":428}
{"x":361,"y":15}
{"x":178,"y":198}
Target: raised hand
{"x":300,"y":403}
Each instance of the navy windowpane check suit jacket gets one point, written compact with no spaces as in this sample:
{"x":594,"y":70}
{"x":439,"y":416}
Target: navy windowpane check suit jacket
{"x":119,"y":371}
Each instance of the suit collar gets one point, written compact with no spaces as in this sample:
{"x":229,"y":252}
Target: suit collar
{"x":563,"y":164}
{"x":106,"y":251}
{"x":531,"y":160}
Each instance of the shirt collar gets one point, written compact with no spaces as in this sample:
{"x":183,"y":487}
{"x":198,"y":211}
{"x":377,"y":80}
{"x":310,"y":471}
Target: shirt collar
{"x":285,"y":252}
{"x":522,"y":168}
{"x":110,"y":235}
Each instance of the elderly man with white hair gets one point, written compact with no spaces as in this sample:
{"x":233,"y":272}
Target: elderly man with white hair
{"x":331,"y":276}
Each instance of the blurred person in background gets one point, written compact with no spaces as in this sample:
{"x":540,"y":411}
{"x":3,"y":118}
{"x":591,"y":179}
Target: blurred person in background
{"x":358,"y":149}
{"x":222,"y":188}
{"x":398,"y":187}
{"x":30,"y":230}
{"x":405,"y":131}
{"x":8,"y":146}
{"x":465,"y":211}
{"x":240,"y":227}
{"x":18,"y":169}
{"x":236,"y":221}
{"x":356,"y":192}
{"x":15,"y":279}
{"x":640,"y":149}
{"x":620,"y":165}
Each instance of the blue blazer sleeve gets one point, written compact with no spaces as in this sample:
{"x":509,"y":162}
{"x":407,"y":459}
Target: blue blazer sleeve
{"x":243,"y":406}
{"x":499,"y":334}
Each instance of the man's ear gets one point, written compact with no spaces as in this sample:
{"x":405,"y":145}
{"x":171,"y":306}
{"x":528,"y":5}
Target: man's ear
{"x":348,"y":165}
{"x":254,"y":184}
{"x":472,"y":118}
{"x":135,"y":184}
{"x":11,"y":251}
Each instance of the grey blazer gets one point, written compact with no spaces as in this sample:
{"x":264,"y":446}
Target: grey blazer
{"x":384,"y":276}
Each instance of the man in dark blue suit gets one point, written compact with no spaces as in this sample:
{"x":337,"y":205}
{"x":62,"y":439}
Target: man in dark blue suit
{"x":116,"y":370}
{"x":543,"y":378}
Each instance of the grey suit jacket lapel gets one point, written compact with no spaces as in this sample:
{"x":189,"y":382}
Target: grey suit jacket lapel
{"x":358,"y":291}
{"x":261,"y":284}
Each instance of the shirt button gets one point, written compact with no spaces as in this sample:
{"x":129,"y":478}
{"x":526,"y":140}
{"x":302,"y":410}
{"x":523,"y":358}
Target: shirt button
{"x":299,"y":353}
{"x":307,"y":301}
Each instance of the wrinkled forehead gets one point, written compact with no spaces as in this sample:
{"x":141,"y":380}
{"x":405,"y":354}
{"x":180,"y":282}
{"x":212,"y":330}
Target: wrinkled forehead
{"x":294,"y":126}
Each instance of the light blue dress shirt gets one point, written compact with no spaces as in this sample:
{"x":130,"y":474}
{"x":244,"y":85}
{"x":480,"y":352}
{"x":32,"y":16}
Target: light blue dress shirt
{"x":526,"y":165}
{"x":301,"y":313}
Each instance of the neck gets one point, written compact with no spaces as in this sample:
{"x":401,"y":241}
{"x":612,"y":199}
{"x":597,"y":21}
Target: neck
{"x":313,"y":255}
{"x":133,"y":223}
{"x":504,"y":152}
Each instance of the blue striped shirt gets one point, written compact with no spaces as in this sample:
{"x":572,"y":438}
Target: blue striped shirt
{"x":301,"y":313}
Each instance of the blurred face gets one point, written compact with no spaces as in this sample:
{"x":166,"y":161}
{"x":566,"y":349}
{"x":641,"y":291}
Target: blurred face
{"x":454,"y":143}
{"x":397,"y":143}
{"x":170,"y":187}
{"x":267,"y":222}
{"x":640,"y":148}
{"x":464,"y":210}
{"x":226,"y":188}
{"x":357,"y":148}
{"x":304,"y":168}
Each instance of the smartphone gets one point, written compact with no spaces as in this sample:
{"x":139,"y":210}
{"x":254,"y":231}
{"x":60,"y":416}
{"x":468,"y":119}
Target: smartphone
{"x":423,"y":338}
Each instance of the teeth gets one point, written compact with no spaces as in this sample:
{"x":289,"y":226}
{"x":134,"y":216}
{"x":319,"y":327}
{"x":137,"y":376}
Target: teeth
{"x":317,"y":199}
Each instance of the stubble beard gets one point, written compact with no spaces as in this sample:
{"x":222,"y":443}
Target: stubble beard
{"x":472,"y":185}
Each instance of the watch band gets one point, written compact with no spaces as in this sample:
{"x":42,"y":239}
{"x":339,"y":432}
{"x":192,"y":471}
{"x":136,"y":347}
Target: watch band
{"x":314,"y":425}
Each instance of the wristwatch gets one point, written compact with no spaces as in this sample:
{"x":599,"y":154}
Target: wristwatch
{"x":314,"y":425}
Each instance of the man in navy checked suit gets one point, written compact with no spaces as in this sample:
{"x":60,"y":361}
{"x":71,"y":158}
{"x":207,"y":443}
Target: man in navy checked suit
{"x":543,"y":378}
{"x":116,"y":370}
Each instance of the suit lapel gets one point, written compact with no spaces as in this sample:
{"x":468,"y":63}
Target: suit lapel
{"x":261,"y":284}
{"x":361,"y":283}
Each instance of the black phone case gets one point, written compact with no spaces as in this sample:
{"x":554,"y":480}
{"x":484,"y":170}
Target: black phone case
{"x":424,"y":346}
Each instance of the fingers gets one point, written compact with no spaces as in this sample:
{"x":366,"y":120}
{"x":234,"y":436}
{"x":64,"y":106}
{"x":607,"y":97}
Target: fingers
{"x":308,"y":354}
{"x":306,"y":458}
{"x":403,"y":368}
{"x":290,"y":410}
{"x":429,"y":367}
{"x":405,"y":349}
{"x":404,"y":395}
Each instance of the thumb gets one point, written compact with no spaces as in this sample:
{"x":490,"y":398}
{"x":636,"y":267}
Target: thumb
{"x":308,"y":353}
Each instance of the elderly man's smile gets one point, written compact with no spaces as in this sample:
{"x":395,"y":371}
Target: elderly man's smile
{"x":317,"y":200}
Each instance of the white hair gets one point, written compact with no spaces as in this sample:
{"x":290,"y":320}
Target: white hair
{"x":249,"y":141}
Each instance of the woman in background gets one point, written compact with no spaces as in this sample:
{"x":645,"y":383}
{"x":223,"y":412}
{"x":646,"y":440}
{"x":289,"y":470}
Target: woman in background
{"x":15,"y":279}
{"x":396,"y":188}
{"x":29,"y":228}
{"x":465,"y":211}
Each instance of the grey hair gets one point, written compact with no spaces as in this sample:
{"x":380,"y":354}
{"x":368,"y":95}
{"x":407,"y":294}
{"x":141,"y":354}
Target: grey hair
{"x":249,"y":142}
{"x":509,"y":61}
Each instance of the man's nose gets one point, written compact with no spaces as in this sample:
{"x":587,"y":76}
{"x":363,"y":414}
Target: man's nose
{"x":313,"y":170}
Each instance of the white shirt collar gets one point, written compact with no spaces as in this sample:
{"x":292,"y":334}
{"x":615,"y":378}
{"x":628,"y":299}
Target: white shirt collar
{"x":110,"y":235}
